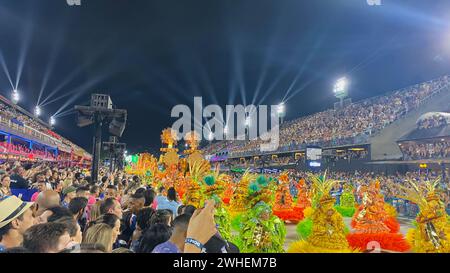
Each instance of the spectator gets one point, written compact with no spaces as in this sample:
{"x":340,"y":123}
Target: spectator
{"x":52,"y":214}
{"x":83,"y":192}
{"x":175,"y":244}
{"x":68,"y":194}
{"x":161,"y":195}
{"x":111,"y":205}
{"x":143,"y":222}
{"x":46,"y":200}
{"x":41,"y":185}
{"x":169,"y":202}
{"x":101,"y":234}
{"x":110,"y":192}
{"x":162,"y":217}
{"x":17,"y":179}
{"x":73,"y":228}
{"x":47,"y":238}
{"x":111,"y":220}
{"x":153,"y":236}
{"x":78,"y":208}
{"x":149,"y":196}
{"x":5,"y":189}
{"x":15,"y":218}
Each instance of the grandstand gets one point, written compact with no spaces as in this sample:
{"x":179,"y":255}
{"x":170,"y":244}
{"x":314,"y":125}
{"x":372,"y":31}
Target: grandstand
{"x":27,"y":138}
{"x":358,"y":136}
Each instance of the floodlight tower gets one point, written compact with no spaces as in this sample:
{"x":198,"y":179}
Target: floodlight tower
{"x":341,"y":90}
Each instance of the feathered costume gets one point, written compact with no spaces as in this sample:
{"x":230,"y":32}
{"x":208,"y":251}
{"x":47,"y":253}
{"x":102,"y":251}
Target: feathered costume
{"x":347,"y":206}
{"x":432,"y":232}
{"x":284,"y":208}
{"x":238,"y":202}
{"x":212,"y":189}
{"x":193,"y":195}
{"x":372,"y":224}
{"x":261,"y":232}
{"x":328,"y":228}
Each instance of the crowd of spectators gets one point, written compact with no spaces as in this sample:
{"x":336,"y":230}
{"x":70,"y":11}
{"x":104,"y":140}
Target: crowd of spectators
{"x":432,"y":122}
{"x":11,"y":113}
{"x":349,"y":125}
{"x":432,"y":149}
{"x":22,"y":150}
{"x":70,"y":213}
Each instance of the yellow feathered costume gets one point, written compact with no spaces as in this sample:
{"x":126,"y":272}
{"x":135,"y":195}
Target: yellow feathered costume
{"x":328,"y":230}
{"x":432,"y":234}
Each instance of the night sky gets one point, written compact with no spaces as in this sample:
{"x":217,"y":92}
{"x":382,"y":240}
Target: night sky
{"x":151,"y":55}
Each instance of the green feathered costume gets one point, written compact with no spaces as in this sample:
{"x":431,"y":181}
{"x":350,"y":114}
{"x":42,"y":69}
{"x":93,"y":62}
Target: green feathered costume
{"x":347,"y":203}
{"x":261,"y":232}
{"x":212,"y":189}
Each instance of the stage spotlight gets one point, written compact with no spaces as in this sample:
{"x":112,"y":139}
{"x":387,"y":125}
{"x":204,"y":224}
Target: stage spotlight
{"x":37,"y":111}
{"x":52,"y":121}
{"x":15,"y":96}
{"x":210,"y":136}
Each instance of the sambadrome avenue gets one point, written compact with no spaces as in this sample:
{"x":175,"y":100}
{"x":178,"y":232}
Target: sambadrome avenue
{"x":278,"y":129}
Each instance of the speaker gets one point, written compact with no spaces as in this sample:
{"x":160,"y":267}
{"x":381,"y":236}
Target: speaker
{"x":84,"y":120}
{"x":117,"y":126}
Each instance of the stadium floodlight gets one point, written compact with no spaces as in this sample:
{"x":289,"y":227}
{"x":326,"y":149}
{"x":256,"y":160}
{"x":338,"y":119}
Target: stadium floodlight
{"x":52,"y":121}
{"x":281,"y":111}
{"x":340,"y":88}
{"x":15,"y":96}
{"x":37,"y":111}
{"x":281,"y":108}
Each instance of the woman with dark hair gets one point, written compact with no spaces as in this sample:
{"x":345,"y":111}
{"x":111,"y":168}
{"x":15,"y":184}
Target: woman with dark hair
{"x":172,"y":194}
{"x":189,"y":209}
{"x":143,"y":222}
{"x":149,"y":196}
{"x":153,"y":236}
{"x":163,"y":216}
{"x":170,"y":202}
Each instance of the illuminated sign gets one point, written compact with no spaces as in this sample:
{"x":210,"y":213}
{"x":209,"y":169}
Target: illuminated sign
{"x":314,"y":164}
